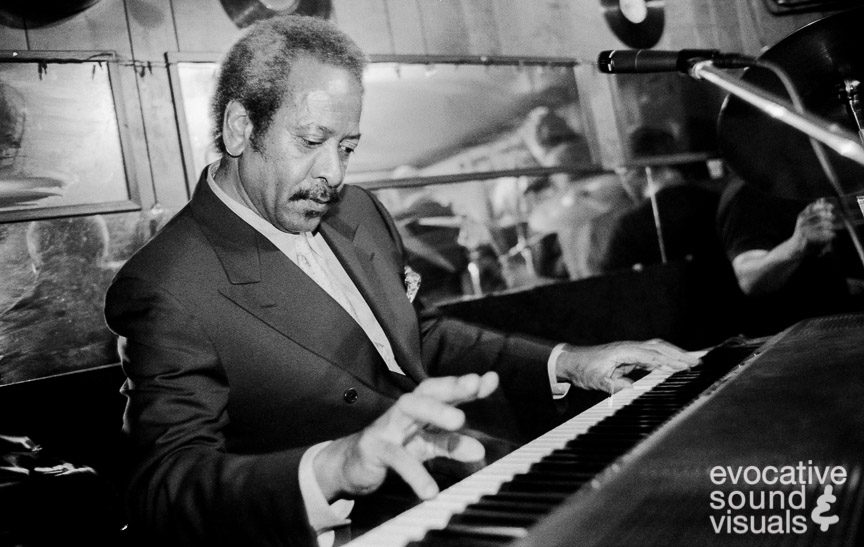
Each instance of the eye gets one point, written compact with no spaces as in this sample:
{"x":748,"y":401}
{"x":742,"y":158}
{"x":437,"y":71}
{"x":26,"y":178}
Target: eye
{"x":311,"y":143}
{"x":347,"y":149}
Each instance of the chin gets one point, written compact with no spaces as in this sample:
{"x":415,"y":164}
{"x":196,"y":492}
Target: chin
{"x":310,"y":223}
{"x":300,"y":220}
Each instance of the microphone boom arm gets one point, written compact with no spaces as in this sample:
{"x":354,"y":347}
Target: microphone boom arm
{"x":842,"y":141}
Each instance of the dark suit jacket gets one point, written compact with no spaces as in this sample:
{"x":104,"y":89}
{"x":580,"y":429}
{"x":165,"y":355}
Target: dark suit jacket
{"x":237,"y":362}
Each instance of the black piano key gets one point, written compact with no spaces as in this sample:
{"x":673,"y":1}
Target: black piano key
{"x":537,"y":498}
{"x":450,"y":538}
{"x":478,"y":517}
{"x":585,"y":451}
{"x":527,"y":483}
{"x":580,"y":457}
{"x":506,"y":506}
{"x":576,"y":469}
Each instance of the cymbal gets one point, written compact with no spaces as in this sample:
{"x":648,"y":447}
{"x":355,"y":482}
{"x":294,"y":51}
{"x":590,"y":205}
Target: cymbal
{"x":778,"y":159}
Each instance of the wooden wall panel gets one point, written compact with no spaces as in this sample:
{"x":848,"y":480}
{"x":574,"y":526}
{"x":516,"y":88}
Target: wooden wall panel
{"x":482,"y":27}
{"x":405,"y":27}
{"x":587,"y":32}
{"x":100,"y":27}
{"x":727,"y":33}
{"x":366,"y":21}
{"x":680,"y":25}
{"x":202,"y":25}
{"x":541,"y":28}
{"x":151,"y":28}
{"x":444,"y":28}
{"x":13,"y":38}
{"x":746,"y":27}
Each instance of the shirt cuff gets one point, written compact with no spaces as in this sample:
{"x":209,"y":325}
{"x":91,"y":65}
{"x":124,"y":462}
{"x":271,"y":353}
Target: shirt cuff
{"x":323,"y":516}
{"x":559,"y":389}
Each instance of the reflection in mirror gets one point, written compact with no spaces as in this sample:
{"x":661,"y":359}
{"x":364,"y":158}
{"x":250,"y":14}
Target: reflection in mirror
{"x":445,"y":119}
{"x":469,"y":160}
{"x":667,"y":126}
{"x":683,"y":109}
{"x":477,"y":237}
{"x":54,"y":276}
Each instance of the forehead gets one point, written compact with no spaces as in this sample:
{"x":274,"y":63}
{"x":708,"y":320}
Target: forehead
{"x":321,"y":92}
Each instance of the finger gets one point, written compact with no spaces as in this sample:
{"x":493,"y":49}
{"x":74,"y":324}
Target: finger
{"x":455,"y":446}
{"x":823,"y":204}
{"x":411,"y":471}
{"x":459,"y":389}
{"x":675,"y":354}
{"x":420,"y":410}
{"x":648,"y":359}
{"x":488,"y":384}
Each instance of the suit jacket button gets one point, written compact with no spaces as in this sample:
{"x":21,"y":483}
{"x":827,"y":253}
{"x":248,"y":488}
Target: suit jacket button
{"x":350,"y":395}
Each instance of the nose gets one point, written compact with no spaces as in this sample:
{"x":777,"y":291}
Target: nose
{"x":329,"y":165}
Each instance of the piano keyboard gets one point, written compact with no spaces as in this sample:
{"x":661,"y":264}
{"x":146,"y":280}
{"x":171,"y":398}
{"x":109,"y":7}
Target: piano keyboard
{"x":498,"y":504}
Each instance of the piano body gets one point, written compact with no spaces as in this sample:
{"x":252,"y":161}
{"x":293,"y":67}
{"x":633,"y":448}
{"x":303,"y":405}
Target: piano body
{"x":762,"y":444}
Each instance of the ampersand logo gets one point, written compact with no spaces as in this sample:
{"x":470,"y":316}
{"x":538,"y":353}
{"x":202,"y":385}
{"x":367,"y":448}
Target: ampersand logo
{"x":823,"y":505}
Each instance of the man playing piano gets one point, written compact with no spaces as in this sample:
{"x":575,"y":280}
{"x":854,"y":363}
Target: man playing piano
{"x":276,"y":367}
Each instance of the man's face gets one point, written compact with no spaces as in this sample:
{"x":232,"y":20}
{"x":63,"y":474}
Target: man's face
{"x":292,"y":174}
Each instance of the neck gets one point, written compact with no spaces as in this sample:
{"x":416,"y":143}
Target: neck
{"x":227,"y":178}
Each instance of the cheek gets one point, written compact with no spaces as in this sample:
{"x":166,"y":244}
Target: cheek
{"x":283,"y":179}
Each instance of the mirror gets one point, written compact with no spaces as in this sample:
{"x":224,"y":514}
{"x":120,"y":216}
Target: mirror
{"x":428,"y":119}
{"x":684,"y":109}
{"x":425,"y":119}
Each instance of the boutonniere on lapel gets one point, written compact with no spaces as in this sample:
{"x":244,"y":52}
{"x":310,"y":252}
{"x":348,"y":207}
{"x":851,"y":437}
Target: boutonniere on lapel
{"x":412,"y":283}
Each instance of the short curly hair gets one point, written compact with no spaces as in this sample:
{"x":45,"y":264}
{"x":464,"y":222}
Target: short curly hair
{"x":256,"y":69}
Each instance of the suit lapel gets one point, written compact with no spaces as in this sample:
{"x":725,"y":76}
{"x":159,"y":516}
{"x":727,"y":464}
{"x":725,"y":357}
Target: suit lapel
{"x":265,"y":283}
{"x":382,"y":289}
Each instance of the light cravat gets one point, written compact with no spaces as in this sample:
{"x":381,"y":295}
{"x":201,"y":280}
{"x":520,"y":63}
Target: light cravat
{"x":315,"y":258}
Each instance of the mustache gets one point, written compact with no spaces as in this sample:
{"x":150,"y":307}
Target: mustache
{"x":321,"y":193}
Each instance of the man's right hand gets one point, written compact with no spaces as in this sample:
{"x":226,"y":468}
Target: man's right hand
{"x":421,"y":425}
{"x":814,"y":227}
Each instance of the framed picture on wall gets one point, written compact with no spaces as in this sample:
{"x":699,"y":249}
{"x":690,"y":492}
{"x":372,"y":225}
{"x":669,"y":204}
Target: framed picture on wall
{"x":64,"y":147}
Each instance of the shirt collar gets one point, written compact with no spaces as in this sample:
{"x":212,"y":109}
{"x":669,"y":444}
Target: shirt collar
{"x":278,"y":237}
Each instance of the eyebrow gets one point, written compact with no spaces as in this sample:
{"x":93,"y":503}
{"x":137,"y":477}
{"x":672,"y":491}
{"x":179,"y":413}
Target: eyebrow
{"x":327,"y":131}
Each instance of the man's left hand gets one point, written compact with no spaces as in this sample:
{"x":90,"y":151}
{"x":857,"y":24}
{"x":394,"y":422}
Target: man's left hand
{"x":605,"y":367}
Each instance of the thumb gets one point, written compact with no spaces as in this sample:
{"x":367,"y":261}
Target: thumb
{"x":619,"y":384}
{"x":458,"y":447}
{"x":431,"y":443}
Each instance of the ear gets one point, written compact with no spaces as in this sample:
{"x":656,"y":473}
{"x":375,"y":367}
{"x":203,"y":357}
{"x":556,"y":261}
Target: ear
{"x":236,"y":128}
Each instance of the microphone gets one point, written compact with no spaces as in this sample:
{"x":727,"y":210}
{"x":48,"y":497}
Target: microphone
{"x":619,"y":61}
